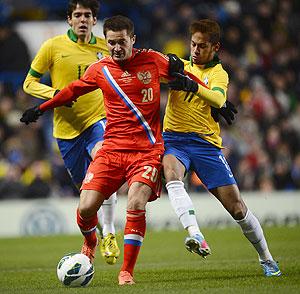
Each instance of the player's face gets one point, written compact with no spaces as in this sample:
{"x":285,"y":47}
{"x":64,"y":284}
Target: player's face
{"x":82,"y":22}
{"x":119,"y":45}
{"x":202,"y":50}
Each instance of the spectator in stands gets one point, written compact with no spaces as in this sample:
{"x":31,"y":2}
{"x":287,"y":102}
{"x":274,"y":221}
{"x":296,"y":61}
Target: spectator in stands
{"x":264,"y":79}
{"x":14,"y":57}
{"x":11,"y":186}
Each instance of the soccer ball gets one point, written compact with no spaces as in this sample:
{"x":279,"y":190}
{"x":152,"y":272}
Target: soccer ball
{"x":75,"y":270}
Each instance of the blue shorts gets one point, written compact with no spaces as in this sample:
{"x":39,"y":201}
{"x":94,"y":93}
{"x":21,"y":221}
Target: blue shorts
{"x":204,"y":158}
{"x":76,"y":152}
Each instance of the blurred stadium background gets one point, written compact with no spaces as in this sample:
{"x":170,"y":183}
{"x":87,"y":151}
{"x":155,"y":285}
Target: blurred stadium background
{"x":260,"y":51}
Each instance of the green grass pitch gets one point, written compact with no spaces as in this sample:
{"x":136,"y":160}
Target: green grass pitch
{"x":28,"y":265}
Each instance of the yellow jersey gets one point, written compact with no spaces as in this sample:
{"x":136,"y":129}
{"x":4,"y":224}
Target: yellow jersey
{"x":188,"y":112}
{"x":66,"y":60}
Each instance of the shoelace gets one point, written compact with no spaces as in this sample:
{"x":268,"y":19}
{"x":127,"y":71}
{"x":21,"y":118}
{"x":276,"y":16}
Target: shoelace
{"x":109,"y":243}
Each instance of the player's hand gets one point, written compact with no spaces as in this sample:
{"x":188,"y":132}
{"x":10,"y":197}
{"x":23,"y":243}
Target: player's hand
{"x":31,"y":115}
{"x":183,"y":83}
{"x":228,"y":111}
{"x":175,"y":64}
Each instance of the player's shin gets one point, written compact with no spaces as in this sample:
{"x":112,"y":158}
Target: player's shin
{"x":254,"y":233}
{"x":108,"y":215}
{"x":87,"y":227}
{"x":109,"y":247}
{"x":183,"y":207}
{"x":134,"y":233}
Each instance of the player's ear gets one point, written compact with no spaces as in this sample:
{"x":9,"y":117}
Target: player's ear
{"x":133,"y":39}
{"x":94,"y":20}
{"x":69,"y":20}
{"x":217,"y":47}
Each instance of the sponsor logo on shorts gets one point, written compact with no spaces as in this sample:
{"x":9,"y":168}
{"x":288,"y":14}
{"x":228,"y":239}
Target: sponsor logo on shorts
{"x":89,"y":176}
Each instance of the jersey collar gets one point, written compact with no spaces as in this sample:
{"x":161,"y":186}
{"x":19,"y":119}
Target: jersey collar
{"x":73,"y":37}
{"x":212,"y":63}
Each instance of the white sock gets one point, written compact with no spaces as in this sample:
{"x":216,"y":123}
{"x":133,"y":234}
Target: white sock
{"x":107,"y":215}
{"x":254,"y":233}
{"x":183,"y":207}
{"x":194,"y":230}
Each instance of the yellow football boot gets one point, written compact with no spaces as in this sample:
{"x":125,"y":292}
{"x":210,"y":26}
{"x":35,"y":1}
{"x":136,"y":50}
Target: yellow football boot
{"x":109,"y":249}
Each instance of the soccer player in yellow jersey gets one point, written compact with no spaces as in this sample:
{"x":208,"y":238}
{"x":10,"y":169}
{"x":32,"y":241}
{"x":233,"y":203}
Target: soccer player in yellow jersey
{"x":78,"y":129}
{"x":192,"y":141}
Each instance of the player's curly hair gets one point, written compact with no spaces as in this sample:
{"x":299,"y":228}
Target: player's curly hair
{"x":94,"y":5}
{"x":207,"y":26}
{"x":118,"y":23}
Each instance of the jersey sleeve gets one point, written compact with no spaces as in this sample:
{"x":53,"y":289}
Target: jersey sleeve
{"x":162,"y":63}
{"x":220,"y":82}
{"x":85,"y":84}
{"x":216,"y":95}
{"x":40,"y":64}
{"x":43,"y":59}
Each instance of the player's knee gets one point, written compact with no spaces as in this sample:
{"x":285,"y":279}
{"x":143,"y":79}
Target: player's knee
{"x":171,"y":174}
{"x":136,"y":204}
{"x":138,"y":200}
{"x":238,"y":210}
{"x":169,"y":169}
{"x":86,"y":210}
{"x":138,"y":196}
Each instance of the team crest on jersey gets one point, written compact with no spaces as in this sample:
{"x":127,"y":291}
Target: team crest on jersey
{"x":89,"y":176}
{"x":144,"y":77}
{"x":206,"y":81}
{"x":99,"y":55}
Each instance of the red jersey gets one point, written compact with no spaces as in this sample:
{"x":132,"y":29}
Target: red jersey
{"x":131,"y":91}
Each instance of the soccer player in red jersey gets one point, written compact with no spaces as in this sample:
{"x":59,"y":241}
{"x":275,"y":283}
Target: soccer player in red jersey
{"x":133,"y":145}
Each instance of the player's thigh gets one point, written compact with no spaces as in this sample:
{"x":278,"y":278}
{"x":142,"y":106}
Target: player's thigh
{"x":77,"y":153}
{"x":105,"y":174}
{"x":145,"y":167}
{"x":95,"y":137}
{"x":176,"y":161}
{"x":74,"y":156}
{"x":211,"y":166}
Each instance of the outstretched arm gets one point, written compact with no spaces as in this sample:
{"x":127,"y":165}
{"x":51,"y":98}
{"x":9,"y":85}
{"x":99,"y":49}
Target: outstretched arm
{"x":66,"y":95}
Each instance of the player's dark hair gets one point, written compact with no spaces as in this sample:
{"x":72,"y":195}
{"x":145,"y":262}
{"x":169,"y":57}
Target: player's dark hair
{"x":118,"y":23}
{"x":91,"y":4}
{"x":207,"y":26}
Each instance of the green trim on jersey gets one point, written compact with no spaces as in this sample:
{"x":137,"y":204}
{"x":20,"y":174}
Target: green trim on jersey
{"x":219,"y":89}
{"x":73,"y":37}
{"x":35,"y":73}
{"x":212,"y":63}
